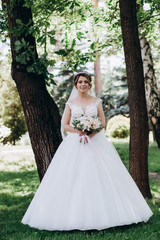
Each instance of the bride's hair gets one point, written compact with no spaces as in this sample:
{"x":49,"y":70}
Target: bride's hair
{"x":84,"y":74}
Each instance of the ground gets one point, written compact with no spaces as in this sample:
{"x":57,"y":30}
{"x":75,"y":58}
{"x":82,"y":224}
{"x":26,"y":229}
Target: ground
{"x":19,"y":181}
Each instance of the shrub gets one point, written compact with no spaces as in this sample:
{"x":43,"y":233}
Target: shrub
{"x":118,"y":127}
{"x":11,"y":111}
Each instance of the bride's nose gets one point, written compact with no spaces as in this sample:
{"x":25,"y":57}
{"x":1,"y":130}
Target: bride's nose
{"x":83,"y":83}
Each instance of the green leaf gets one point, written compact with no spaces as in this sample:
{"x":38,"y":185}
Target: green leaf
{"x":80,"y":35}
{"x":52,"y":32}
{"x":21,"y":59}
{"x":78,"y":52}
{"x":18,"y":46}
{"x":73,"y":43}
{"x":92,"y":46}
{"x":18,"y":21}
{"x":61,"y":52}
{"x":52,"y":40}
{"x":30,"y":69}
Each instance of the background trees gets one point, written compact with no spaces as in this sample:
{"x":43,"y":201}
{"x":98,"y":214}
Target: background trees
{"x":11,"y":112}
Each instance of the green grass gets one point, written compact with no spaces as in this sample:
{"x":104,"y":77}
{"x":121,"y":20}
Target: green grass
{"x":153,"y":155}
{"x":154,"y":158}
{"x":19,"y":181}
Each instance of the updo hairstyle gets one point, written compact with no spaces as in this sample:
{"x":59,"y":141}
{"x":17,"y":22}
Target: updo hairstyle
{"x":88,"y":76}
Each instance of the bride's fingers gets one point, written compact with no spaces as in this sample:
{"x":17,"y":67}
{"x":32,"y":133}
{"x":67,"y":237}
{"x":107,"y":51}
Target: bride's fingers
{"x":82,"y":133}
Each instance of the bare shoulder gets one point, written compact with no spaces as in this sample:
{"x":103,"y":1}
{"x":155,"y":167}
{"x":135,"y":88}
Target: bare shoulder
{"x":94,"y":99}
{"x":74,"y":100}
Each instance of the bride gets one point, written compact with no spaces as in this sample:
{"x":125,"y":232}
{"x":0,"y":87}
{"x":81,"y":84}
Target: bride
{"x":86,"y":186}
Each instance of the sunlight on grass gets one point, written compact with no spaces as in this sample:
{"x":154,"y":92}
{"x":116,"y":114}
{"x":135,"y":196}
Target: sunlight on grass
{"x":155,"y":188}
{"x":17,"y":159}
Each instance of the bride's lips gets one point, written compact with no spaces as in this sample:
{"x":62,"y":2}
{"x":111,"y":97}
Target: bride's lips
{"x":83,"y":88}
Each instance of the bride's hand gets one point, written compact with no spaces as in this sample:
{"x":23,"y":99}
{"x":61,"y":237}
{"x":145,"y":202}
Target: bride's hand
{"x":83,"y":137}
{"x":81,"y":133}
{"x":92,"y":135}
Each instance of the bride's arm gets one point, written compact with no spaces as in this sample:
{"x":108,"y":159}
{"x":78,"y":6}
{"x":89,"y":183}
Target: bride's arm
{"x":101,"y":116}
{"x":66,"y":121}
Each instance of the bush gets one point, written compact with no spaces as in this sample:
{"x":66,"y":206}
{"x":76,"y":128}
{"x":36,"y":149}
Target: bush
{"x":11,"y":111}
{"x":118,"y":127}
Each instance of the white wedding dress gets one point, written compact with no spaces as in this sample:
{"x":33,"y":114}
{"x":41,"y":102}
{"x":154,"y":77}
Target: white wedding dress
{"x":86,"y":187}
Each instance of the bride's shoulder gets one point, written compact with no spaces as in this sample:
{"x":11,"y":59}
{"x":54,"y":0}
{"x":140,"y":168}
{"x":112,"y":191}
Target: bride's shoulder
{"x":70,"y":102}
{"x":73,"y":101}
{"x":95,"y":99}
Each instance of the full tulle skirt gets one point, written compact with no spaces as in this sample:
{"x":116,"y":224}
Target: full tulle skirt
{"x":86,"y":187}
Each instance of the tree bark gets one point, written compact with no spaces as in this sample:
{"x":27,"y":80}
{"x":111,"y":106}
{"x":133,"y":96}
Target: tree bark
{"x":138,"y":150}
{"x":97,"y":69}
{"x":152,"y":91}
{"x":97,"y":78}
{"x":41,"y":113}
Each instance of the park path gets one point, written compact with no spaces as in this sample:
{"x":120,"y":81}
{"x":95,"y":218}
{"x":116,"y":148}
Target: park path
{"x":16,"y":150}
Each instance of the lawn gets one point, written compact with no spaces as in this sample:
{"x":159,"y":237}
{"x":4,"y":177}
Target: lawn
{"x":19,"y":181}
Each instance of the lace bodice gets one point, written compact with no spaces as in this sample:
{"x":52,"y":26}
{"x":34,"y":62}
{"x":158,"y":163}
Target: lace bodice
{"x":90,"y":110}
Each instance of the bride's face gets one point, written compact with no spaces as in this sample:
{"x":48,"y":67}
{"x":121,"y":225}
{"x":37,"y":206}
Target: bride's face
{"x":83,"y":84}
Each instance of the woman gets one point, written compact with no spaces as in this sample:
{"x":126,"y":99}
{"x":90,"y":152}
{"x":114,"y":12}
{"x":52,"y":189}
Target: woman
{"x":86,"y":185}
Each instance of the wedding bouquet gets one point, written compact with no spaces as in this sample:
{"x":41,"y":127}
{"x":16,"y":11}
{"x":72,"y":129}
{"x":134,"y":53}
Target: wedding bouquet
{"x":86,"y":123}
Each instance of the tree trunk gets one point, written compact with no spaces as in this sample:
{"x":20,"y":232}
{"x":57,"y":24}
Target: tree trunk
{"x":97,"y":79}
{"x":41,"y":113}
{"x":97,"y":69}
{"x":152,"y":92}
{"x":138,"y":151}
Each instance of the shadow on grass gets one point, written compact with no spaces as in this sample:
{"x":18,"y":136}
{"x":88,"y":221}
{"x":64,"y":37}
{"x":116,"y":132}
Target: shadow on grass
{"x":19,"y":183}
{"x":22,"y":175}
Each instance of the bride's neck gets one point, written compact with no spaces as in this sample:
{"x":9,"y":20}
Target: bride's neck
{"x":82,"y":95}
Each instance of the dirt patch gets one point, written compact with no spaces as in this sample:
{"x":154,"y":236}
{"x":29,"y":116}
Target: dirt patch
{"x":154,"y":175}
